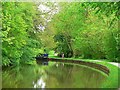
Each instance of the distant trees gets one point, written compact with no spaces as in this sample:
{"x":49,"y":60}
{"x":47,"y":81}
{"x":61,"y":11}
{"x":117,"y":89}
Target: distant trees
{"x":47,"y":10}
{"x":88,"y":30}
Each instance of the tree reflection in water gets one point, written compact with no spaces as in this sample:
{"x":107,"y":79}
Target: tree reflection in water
{"x":52,"y":76}
{"x":40,"y":83}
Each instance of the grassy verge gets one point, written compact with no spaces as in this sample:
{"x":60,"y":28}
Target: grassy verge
{"x":112,"y":80}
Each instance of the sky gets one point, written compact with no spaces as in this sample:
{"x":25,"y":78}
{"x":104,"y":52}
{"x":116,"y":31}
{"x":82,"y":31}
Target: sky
{"x":50,"y":10}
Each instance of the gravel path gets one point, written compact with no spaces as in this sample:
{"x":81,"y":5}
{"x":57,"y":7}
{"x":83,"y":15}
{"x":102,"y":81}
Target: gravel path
{"x":116,"y":64}
{"x":113,"y":63}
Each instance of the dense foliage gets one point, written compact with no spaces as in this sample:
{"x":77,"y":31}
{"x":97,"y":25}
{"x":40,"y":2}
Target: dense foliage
{"x":19,"y":42}
{"x":79,"y":29}
{"x":88,"y":30}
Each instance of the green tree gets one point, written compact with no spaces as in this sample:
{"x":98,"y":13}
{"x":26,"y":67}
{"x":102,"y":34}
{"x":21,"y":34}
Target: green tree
{"x":18,"y":44}
{"x":88,"y":30}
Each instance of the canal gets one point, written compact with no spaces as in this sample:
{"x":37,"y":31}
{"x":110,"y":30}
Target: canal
{"x":54,"y":75}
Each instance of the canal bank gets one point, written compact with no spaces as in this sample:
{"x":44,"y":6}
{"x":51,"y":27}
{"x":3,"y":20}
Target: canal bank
{"x":114,"y":76}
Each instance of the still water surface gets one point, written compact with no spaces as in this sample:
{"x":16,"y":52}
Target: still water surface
{"x":55,"y":75}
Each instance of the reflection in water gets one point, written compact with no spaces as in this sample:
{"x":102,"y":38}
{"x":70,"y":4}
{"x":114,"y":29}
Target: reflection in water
{"x":40,"y":83}
{"x":55,"y":75}
{"x":57,"y":64}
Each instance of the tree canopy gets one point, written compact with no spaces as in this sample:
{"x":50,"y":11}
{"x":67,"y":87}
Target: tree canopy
{"x":19,"y":41}
{"x":88,"y":30}
{"x":77,"y":29}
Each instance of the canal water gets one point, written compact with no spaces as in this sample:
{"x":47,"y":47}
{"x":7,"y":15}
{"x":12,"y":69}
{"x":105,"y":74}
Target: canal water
{"x":54,"y":75}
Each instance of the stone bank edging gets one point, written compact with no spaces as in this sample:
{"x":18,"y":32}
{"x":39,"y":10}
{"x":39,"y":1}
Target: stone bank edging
{"x":90,"y":64}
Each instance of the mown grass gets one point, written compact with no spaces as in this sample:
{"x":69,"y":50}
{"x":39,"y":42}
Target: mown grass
{"x":112,"y":80}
